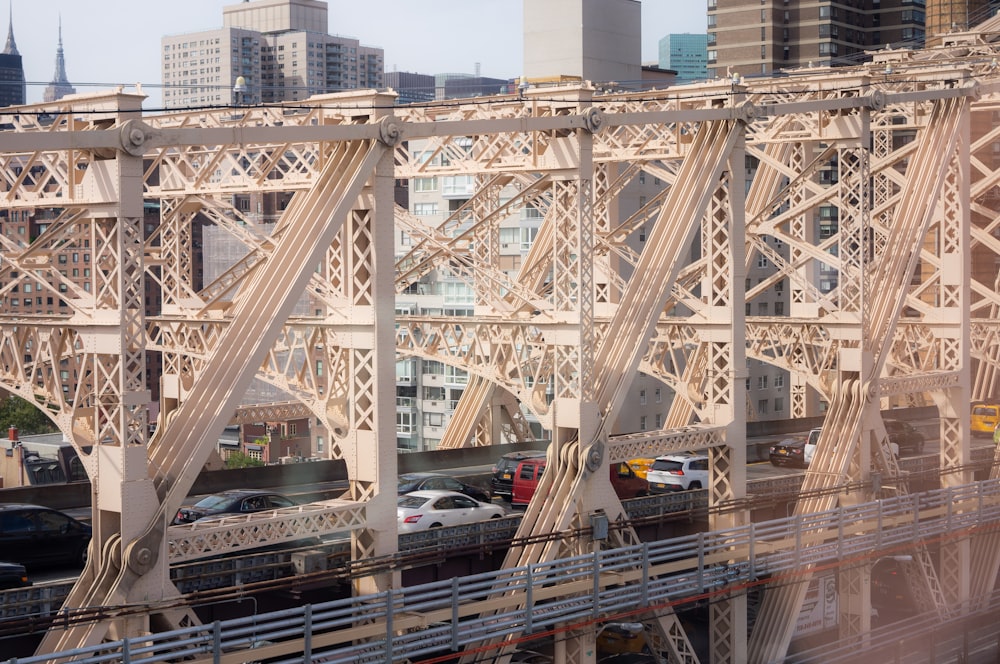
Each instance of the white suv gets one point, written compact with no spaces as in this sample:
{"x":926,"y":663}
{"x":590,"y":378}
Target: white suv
{"x":678,"y":472}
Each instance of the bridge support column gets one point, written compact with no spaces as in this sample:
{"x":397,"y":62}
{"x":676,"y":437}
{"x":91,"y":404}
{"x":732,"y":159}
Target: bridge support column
{"x":855,"y":594}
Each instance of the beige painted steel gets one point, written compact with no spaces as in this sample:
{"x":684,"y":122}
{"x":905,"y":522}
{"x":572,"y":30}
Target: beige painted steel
{"x":904,"y":154}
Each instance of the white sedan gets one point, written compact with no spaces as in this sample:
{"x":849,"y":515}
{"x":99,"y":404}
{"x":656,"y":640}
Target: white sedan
{"x":422,"y":510}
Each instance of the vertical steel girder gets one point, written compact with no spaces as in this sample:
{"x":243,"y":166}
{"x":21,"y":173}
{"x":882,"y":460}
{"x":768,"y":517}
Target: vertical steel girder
{"x":873,"y":296}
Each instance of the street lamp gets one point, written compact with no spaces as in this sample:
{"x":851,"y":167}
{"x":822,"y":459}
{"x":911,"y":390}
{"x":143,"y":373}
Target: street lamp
{"x":899,"y":559}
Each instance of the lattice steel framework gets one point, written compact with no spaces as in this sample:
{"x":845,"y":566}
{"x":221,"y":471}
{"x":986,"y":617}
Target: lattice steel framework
{"x":561,"y":337}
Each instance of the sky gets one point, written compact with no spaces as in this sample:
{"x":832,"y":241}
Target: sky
{"x":112,"y":42}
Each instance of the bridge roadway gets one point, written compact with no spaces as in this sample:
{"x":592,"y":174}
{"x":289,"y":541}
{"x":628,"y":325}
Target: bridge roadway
{"x":449,"y":615}
{"x":319,"y":571}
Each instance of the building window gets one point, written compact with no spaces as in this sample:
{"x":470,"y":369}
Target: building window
{"x":779,"y":380}
{"x":659,"y":396}
{"x":762,"y":382}
{"x":425,"y":184}
{"x":659,"y":420}
{"x":779,"y":404}
{"x":642,"y":397}
{"x":762,"y":407}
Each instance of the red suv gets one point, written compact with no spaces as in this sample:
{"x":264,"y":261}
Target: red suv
{"x":502,"y":481}
{"x":626,"y":483}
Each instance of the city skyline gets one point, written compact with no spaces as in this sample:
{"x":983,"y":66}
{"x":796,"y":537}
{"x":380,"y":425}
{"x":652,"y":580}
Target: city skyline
{"x":497,"y":49}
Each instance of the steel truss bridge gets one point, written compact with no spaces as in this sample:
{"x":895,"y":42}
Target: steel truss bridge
{"x":902,"y":148}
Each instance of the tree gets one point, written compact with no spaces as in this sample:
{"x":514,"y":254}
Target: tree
{"x":15,"y":411}
{"x":242,"y":460}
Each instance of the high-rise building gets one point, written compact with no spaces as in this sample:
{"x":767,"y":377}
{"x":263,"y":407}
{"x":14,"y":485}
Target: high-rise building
{"x":279,"y":48}
{"x":686,"y":54}
{"x":12,"y":85}
{"x":592,"y":40}
{"x":747,"y":37}
{"x":60,"y":85}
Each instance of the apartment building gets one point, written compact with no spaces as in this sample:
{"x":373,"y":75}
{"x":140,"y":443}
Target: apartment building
{"x":267,"y":51}
{"x":750,"y":37}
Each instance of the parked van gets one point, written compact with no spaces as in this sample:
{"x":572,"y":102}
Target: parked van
{"x":985,"y":417}
{"x":529,"y":471}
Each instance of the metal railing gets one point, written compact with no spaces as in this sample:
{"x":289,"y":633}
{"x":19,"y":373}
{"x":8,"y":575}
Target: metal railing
{"x":445,"y":616}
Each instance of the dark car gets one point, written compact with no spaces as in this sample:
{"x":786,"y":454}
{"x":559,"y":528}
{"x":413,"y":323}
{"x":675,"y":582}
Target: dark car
{"x":234,"y":501}
{"x":423,"y":481}
{"x":891,"y":595}
{"x":905,"y":436}
{"x":790,"y":452}
{"x":13,"y":575}
{"x":502,"y":481}
{"x":36,"y":536}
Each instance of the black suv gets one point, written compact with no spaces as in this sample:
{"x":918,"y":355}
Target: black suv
{"x":904,"y":435}
{"x":502,"y":481}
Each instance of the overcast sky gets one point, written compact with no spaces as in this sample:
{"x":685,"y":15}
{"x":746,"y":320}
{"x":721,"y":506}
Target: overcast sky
{"x":108,"y":42}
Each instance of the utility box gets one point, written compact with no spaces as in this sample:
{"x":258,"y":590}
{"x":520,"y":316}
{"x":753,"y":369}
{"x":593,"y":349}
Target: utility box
{"x":307,"y":562}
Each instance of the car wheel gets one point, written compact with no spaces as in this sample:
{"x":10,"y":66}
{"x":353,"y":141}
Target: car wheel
{"x":495,"y":516}
{"x":80,"y":559}
{"x":434,"y":525}
{"x":774,"y":463}
{"x":694,"y":485}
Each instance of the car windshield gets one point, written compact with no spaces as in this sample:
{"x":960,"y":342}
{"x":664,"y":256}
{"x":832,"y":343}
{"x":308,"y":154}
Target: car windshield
{"x":667,"y":464}
{"x":984,"y":410}
{"x":213,"y":502}
{"x":411,"y":502}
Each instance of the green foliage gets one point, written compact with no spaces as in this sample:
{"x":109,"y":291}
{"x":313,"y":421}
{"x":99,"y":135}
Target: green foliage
{"x":29,"y":420}
{"x":242,"y":460}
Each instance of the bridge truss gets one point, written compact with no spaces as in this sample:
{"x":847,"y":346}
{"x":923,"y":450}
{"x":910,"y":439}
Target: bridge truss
{"x":605,"y":292}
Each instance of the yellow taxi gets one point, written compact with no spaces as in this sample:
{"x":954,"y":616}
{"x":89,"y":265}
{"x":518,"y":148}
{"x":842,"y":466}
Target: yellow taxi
{"x":640,"y":466}
{"x":985,"y":417}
